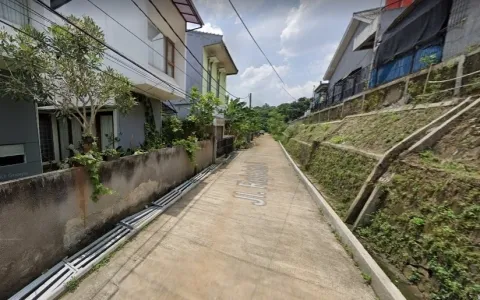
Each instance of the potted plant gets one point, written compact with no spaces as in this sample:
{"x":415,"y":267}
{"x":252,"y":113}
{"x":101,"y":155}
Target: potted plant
{"x":110,"y":154}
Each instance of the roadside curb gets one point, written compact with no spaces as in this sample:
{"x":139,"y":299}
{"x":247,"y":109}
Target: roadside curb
{"x":381,"y":284}
{"x":53,"y":283}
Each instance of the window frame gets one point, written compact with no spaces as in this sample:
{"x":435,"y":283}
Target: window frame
{"x":168,"y":42}
{"x":218,"y":83}
{"x":210,"y":68}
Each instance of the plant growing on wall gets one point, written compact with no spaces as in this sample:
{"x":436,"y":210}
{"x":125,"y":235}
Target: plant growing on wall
{"x":172,"y":129}
{"x":241,"y":121}
{"x":202,"y":112}
{"x":63,"y":68}
{"x":92,"y":161}
{"x":429,"y":61}
{"x":190,"y":144}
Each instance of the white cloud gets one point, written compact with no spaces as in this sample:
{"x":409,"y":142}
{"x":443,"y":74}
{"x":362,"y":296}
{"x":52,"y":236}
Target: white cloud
{"x":293,"y":21}
{"x":262,"y":82}
{"x":299,"y":37}
{"x":261,"y":77}
{"x":305,"y":90}
{"x":298,"y":20}
{"x":209,"y":28}
{"x":319,"y":66}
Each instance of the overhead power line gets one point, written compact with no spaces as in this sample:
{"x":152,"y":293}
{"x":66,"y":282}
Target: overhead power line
{"x":268,"y":60}
{"x":181,"y":41}
{"x":140,"y":39}
{"x":110,"y":47}
{"x":109,"y":57}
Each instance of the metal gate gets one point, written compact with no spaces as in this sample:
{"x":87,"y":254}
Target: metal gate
{"x":225,"y":146}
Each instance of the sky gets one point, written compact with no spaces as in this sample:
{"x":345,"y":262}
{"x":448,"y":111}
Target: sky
{"x":298,"y":36}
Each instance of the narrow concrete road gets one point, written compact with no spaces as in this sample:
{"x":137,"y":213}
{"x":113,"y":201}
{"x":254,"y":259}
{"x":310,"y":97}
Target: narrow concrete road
{"x":250,"y":231}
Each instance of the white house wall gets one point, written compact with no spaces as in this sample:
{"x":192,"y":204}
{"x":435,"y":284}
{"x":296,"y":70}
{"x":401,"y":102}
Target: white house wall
{"x":351,"y":60}
{"x":461,"y":36}
{"x":125,"y":12}
{"x":131,"y":128}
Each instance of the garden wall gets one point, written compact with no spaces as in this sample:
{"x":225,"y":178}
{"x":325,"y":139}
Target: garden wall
{"x":47,"y":217}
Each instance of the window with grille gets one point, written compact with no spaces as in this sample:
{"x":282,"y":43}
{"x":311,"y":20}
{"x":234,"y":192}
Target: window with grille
{"x":338,"y":91}
{"x":15,"y":11}
{"x":170,"y":57}
{"x":46,"y":137}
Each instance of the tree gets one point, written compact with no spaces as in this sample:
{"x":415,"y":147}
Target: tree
{"x":276,"y":124}
{"x":202,"y":112}
{"x":62,"y":68}
{"x":241,"y":121}
{"x":262,"y":113}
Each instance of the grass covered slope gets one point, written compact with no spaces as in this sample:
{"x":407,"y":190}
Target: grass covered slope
{"x":300,"y":151}
{"x":429,"y":229}
{"x":340,"y":175}
{"x":460,"y":148}
{"x":379,"y":132}
{"x":429,"y":225}
{"x":312,"y":132}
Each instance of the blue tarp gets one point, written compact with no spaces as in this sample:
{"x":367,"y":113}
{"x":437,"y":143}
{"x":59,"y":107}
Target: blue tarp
{"x":404,"y":65}
{"x":432,"y":50}
{"x":394,"y":69}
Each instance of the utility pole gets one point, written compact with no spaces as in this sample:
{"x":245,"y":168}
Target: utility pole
{"x":250,"y":100}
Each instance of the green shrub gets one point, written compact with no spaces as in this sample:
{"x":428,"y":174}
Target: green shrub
{"x":340,"y":174}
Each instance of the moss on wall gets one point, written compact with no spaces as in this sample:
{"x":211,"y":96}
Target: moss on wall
{"x":315,"y":132}
{"x":429,"y":229}
{"x":472,"y":64}
{"x":352,"y":107}
{"x":340,"y":175}
{"x":300,"y":151}
{"x":335,"y":113}
{"x":431,"y":95}
{"x":379,"y":132}
{"x":373,"y":101}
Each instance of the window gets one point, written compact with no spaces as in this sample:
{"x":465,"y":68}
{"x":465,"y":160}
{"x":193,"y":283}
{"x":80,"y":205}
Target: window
{"x":15,"y":11}
{"x":12,"y":155}
{"x":170,"y":57}
{"x":70,"y":133}
{"x":218,"y":84}
{"x":46,"y":137}
{"x":209,"y":86}
{"x":156,"y":53}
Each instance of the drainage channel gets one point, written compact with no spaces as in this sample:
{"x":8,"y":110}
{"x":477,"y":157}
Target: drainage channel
{"x":52,"y":283}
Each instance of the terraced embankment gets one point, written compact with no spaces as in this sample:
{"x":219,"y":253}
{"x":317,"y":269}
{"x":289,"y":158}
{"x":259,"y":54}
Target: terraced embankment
{"x":426,"y":228}
{"x":339,"y":156}
{"x":429,"y":224}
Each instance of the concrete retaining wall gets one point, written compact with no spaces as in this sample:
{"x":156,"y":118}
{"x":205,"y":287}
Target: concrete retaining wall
{"x":398,"y":92}
{"x":47,"y":217}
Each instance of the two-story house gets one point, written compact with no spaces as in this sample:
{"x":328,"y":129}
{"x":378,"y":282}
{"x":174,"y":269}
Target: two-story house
{"x":133,"y":28}
{"x":155,"y":44}
{"x":211,"y":76}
